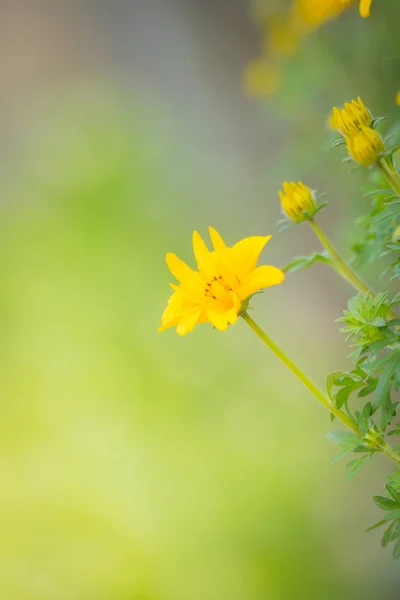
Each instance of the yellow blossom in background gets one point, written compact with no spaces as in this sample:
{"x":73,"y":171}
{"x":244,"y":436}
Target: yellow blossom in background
{"x":281,"y":38}
{"x":224,"y":279}
{"x":296,"y":200}
{"x":364,"y":146}
{"x":261,"y":79}
{"x":365,"y":6}
{"x":352,"y":116}
{"x":398,"y":98}
{"x":310,"y":14}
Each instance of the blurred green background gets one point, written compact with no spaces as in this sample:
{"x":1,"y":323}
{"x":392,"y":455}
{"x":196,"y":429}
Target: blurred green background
{"x":143,"y":466}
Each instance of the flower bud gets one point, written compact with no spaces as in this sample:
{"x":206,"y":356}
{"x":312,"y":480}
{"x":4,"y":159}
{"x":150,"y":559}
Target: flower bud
{"x":352,"y":116}
{"x":364,"y":146}
{"x":297,"y":201}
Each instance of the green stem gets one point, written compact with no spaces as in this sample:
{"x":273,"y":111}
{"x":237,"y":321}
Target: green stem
{"x":313,"y":387}
{"x":390,"y":174}
{"x":341,"y":266}
{"x":338,"y":262}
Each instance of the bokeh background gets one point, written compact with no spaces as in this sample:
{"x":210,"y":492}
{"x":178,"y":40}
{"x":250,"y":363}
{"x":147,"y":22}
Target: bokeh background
{"x":143,"y":466}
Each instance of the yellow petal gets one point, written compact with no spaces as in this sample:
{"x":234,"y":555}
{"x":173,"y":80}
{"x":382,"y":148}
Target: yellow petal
{"x":245,"y":254}
{"x":218,"y":319}
{"x":199,"y":248}
{"x":259,"y":279}
{"x":188,"y":322}
{"x":205,"y":258}
{"x":365,"y":6}
{"x":178,"y":268}
{"x":233,"y":314}
{"x":191,"y":279}
{"x":217,"y":241}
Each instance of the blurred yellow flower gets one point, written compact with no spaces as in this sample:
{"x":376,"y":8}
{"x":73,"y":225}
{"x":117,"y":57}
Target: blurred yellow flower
{"x":365,"y":145}
{"x":261,"y":79}
{"x":225,"y":278}
{"x":310,"y":14}
{"x":352,"y":116}
{"x":281,"y":38}
{"x":365,"y":6}
{"x":296,"y":200}
{"x":398,"y":98}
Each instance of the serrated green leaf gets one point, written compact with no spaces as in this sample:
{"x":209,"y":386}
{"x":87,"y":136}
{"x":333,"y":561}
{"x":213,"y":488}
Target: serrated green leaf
{"x":355,"y":466}
{"x":386,"y":503}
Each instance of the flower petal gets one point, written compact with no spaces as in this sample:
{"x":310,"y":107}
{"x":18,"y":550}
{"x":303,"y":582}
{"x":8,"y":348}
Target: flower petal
{"x":218,"y":319}
{"x":178,"y":268}
{"x":184,"y":274}
{"x":199,"y":248}
{"x":217,"y":241}
{"x":205,"y":259}
{"x":260,"y":278}
{"x":188,"y":322}
{"x":245,"y":254}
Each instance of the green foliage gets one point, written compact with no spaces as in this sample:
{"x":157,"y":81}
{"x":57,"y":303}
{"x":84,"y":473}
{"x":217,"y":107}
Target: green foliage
{"x":305,"y":262}
{"x":391,"y":506}
{"x":366,"y":323}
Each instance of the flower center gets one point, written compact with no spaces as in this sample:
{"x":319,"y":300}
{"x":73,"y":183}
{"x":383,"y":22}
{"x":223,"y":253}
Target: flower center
{"x":216,"y":288}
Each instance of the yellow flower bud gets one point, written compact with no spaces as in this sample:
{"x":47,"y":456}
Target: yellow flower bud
{"x":352,"y":116}
{"x":364,"y":146}
{"x":296,"y":200}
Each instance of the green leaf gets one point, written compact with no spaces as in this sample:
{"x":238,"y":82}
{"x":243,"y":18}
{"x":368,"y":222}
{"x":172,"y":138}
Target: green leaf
{"x":331,"y":380}
{"x":386,"y":538}
{"x":344,"y":439}
{"x":394,"y":479}
{"x":388,"y":410}
{"x":305,"y":262}
{"x":396,"y":549}
{"x":386,"y":503}
{"x":384,"y":383}
{"x":393,"y":493}
{"x":342,"y":396}
{"x":376,"y":525}
{"x":355,"y":466}
{"x":395,"y":514}
{"x":339,"y":456}
{"x":377,"y":193}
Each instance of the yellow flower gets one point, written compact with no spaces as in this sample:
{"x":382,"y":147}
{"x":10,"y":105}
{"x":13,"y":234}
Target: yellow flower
{"x":281,"y":38}
{"x":398,"y":98}
{"x":261,"y":79}
{"x":365,"y":6}
{"x":297,"y":199}
{"x":224,"y":279}
{"x":352,"y":116}
{"x":310,"y":14}
{"x":364,"y":146}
